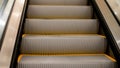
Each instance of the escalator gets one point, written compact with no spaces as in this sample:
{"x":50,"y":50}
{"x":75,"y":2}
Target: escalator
{"x":63,"y":34}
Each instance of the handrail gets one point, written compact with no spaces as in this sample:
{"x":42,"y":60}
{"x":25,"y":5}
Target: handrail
{"x":110,"y":25}
{"x":5,"y":10}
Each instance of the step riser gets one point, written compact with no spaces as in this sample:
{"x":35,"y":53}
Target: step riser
{"x":36,"y":11}
{"x":37,"y":26}
{"x":58,"y":2}
{"x":63,"y":45}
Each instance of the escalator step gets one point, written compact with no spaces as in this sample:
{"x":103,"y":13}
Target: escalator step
{"x":82,"y":61}
{"x":58,"y":2}
{"x":62,"y":44}
{"x":61,"y":12}
{"x":61,"y":26}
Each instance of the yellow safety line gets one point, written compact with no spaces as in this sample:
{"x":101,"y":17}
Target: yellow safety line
{"x":62,"y":35}
{"x":62,"y":54}
{"x":19,"y":58}
{"x":63,"y":19}
{"x":57,"y":5}
{"x":55,"y":17}
{"x":110,"y":58}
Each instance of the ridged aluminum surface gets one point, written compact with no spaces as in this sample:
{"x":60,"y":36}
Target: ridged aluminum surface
{"x":42,"y":11}
{"x":58,"y":2}
{"x":41,"y":44}
{"x":61,"y":26}
{"x":89,"y":61}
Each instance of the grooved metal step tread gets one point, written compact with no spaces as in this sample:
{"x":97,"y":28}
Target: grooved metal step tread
{"x":63,"y":44}
{"x":61,"y":12}
{"x":58,"y":2}
{"x":82,"y":61}
{"x":61,"y":26}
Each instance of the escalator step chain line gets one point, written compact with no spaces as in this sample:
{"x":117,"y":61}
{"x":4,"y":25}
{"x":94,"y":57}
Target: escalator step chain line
{"x":62,"y":34}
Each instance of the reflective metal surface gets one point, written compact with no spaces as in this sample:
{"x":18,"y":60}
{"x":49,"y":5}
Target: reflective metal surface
{"x":11,"y":34}
{"x":0,"y":2}
{"x":115,"y":6}
{"x":5,"y":8}
{"x":2,"y":5}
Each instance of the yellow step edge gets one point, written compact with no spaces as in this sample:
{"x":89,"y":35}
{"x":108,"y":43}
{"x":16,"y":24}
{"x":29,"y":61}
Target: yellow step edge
{"x":54,"y":17}
{"x":112,"y":59}
{"x":64,"y":35}
{"x":63,"y":19}
{"x":58,"y":5}
{"x":61,"y":54}
{"x":64,"y":53}
{"x":19,"y":58}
